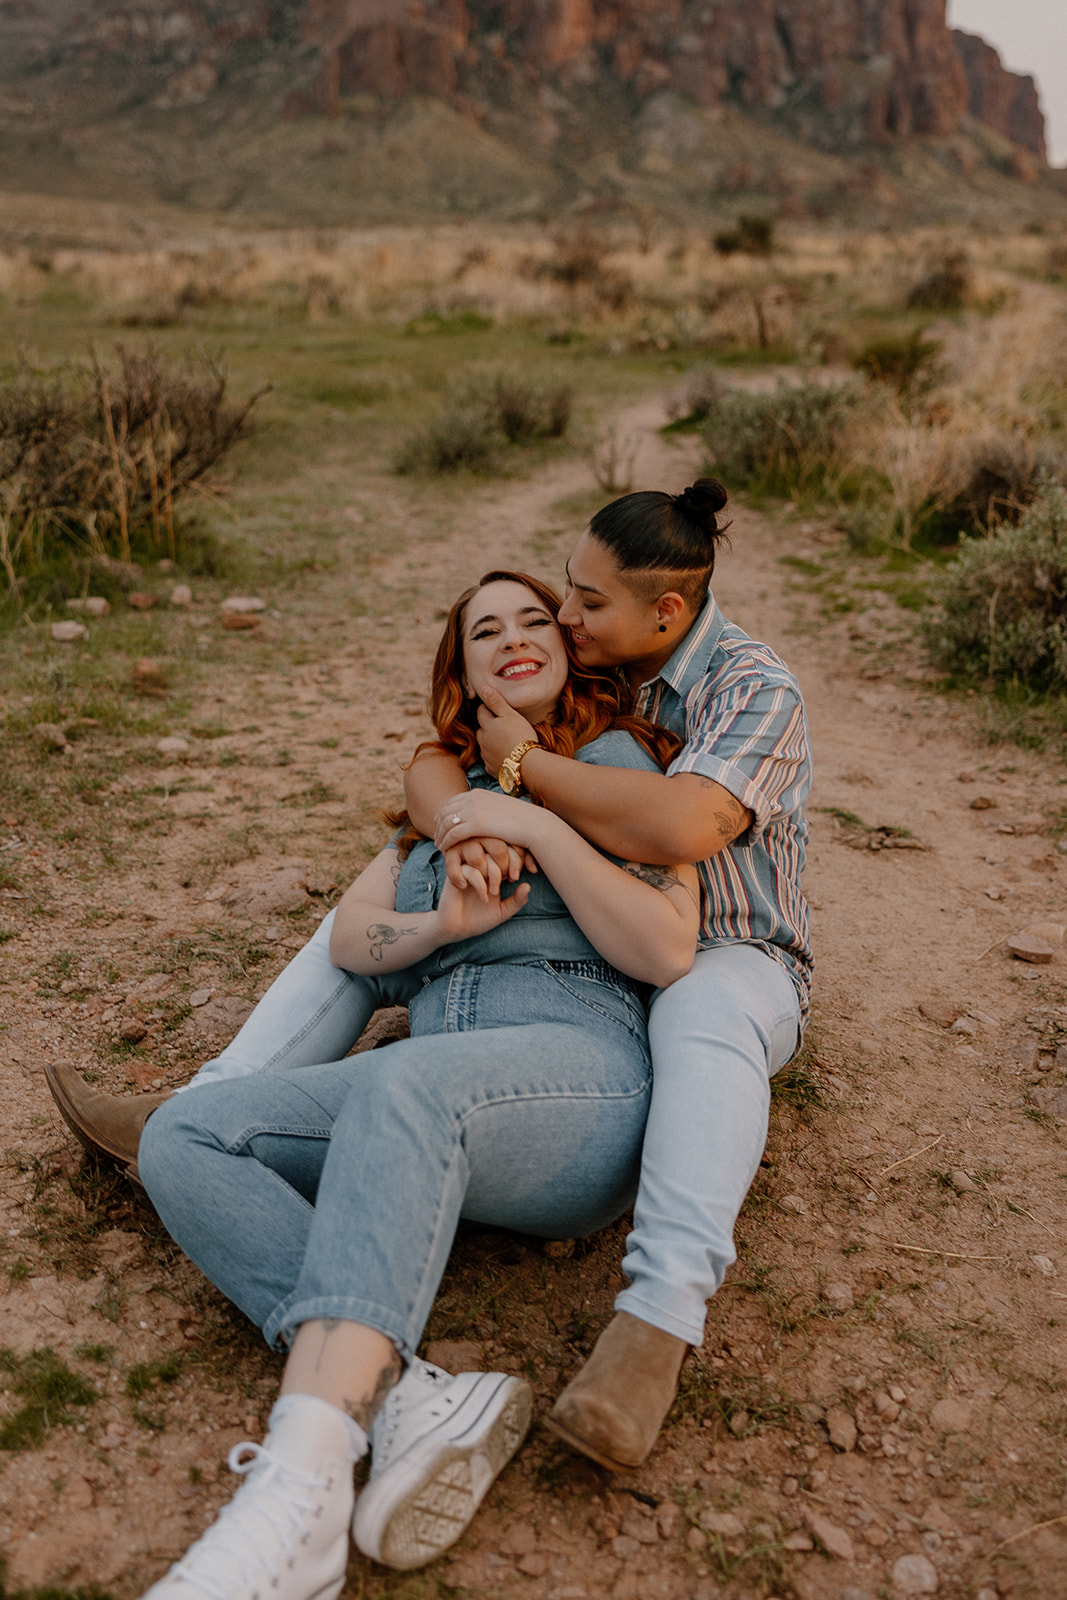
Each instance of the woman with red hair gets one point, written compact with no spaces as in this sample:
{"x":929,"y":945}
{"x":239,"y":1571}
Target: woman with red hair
{"x":322,"y":1195}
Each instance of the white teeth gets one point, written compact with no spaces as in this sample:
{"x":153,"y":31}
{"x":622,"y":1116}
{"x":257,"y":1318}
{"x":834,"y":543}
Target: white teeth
{"x":520,"y":669}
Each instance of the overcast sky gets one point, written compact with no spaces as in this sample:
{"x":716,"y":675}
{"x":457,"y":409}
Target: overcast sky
{"x":1031,"y":36}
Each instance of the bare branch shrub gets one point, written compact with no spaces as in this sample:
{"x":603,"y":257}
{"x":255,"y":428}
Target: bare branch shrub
{"x":947,"y":286}
{"x":611,"y":455}
{"x":93,"y":460}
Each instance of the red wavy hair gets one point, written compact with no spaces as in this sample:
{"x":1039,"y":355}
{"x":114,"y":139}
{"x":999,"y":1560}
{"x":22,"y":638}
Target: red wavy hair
{"x":591,"y":702}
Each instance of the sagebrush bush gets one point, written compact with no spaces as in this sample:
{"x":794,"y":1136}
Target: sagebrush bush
{"x":753,"y":235}
{"x":1001,"y":611}
{"x":788,"y":441}
{"x":92,"y":460}
{"x":485,"y":409}
{"x":904,"y":361}
{"x":704,"y":389}
{"x":947,"y":286}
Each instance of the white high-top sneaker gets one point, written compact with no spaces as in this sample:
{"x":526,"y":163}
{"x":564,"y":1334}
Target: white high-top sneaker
{"x":436,"y":1446}
{"x":284,"y":1535}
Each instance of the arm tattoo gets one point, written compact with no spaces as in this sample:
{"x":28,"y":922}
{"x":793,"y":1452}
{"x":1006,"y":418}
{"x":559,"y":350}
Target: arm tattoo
{"x":380,"y":934}
{"x":662,"y":878}
{"x":364,"y":1411}
{"x":730,"y":817}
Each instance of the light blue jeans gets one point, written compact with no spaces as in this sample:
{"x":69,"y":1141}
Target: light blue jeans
{"x":335,"y":1190}
{"x":718,"y":1036}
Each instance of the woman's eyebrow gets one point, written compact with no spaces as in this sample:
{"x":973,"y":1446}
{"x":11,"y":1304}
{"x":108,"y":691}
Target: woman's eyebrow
{"x":526,"y":611}
{"x":586,"y":588}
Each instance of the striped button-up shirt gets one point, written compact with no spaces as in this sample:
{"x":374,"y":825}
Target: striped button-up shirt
{"x":738,"y":709}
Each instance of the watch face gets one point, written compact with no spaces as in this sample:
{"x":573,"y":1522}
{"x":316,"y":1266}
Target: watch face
{"x":509,"y":780}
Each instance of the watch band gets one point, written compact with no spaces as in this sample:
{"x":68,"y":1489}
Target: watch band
{"x":512,"y":765}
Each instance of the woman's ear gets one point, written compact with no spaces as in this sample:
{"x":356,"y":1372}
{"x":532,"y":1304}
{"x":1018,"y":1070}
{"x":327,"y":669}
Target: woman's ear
{"x":669,"y":608}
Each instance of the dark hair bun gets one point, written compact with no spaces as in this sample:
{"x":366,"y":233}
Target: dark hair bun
{"x":700,"y":502}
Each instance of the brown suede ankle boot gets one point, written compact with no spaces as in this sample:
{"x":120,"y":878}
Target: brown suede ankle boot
{"x":108,"y":1125}
{"x":614,"y":1409}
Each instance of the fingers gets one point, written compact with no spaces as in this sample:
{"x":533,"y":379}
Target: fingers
{"x":473,"y":879}
{"x":492,"y":703}
{"x":514,"y":902}
{"x":454,"y":867}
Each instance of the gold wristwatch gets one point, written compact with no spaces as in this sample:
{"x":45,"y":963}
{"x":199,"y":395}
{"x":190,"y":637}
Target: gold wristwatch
{"x":510,"y":775}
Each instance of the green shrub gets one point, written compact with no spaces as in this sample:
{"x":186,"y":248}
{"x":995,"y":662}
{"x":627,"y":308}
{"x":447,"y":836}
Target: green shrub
{"x":753,"y":236}
{"x":92,"y":461}
{"x":905,"y":362}
{"x":947,"y":286}
{"x":1002,"y":603}
{"x":487,"y":408}
{"x":790,"y":440}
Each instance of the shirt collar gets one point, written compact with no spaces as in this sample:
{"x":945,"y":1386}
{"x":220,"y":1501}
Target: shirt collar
{"x":693,"y":653}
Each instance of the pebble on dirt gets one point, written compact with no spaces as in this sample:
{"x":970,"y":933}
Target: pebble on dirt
{"x":1025,"y":947}
{"x":914,"y":1574}
{"x":91,"y":605}
{"x":238,"y":604}
{"x":838,"y":1294}
{"x":69,"y":632}
{"x":951,"y":1416}
{"x":181,"y":595}
{"x":51,"y":735}
{"x":834,"y":1540}
{"x":841,"y":1426}
{"x":173,"y":746}
{"x":141,"y":600}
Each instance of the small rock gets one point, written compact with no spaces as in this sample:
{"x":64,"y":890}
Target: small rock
{"x":181,"y":595}
{"x":51,"y":735}
{"x":838,"y":1294}
{"x":939,"y":1011}
{"x":1051,"y":932}
{"x":534,"y":1564}
{"x":1026,"y":948}
{"x":319,"y":883}
{"x":695,"y":1539}
{"x":739,"y":1422}
{"x":967,"y":1026}
{"x":236,"y":620}
{"x":521,"y":1538}
{"x":140,"y":600}
{"x":950,"y":1415}
{"x":243,"y":604}
{"x":834,"y":1540}
{"x":724,"y":1523}
{"x":1044,"y":1266}
{"x":93,"y":605}
{"x":962,"y":1181}
{"x":795,"y":1204}
{"x":150,"y":676}
{"x":69,"y":632}
{"x":1027,"y":1055}
{"x":841,"y":1426}
{"x":932,"y":1541}
{"x":641,"y":1528}
{"x":1051,"y":1098}
{"x":798,"y":1541}
{"x":897,"y":1393}
{"x":983,"y":802}
{"x":456,"y":1355}
{"x":133,"y":1031}
{"x":887,"y":1408}
{"x":789,"y":1486}
{"x":200,"y":997}
{"x":875,"y":1536}
{"x":915,"y":1574}
{"x":668,"y":1516}
{"x":174,"y":745}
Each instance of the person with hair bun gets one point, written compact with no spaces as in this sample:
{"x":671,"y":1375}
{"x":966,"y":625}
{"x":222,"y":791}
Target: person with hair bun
{"x":639,"y":603}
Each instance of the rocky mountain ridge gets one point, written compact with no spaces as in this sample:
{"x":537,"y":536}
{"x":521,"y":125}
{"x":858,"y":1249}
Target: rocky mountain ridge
{"x":591,"y":93}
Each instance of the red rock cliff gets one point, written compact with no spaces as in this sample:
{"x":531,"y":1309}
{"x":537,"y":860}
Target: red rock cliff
{"x":1006,"y":101}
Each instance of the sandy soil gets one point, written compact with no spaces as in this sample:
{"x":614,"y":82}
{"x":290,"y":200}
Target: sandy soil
{"x":878,"y":1407}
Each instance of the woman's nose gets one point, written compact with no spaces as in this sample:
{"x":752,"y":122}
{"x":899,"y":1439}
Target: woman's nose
{"x":567,"y":615}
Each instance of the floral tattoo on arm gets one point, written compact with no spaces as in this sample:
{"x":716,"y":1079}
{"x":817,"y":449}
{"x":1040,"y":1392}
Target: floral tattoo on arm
{"x":662,"y":878}
{"x":379,"y":934}
{"x":730,"y":816}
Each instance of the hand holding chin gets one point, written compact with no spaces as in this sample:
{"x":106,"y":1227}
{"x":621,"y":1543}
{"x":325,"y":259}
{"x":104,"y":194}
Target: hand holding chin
{"x":500,"y":728}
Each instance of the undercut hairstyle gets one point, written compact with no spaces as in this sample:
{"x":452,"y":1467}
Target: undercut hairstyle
{"x":665,"y":541}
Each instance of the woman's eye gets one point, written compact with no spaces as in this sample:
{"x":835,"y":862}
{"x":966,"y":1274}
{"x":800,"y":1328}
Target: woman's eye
{"x":540,"y":622}
{"x":485,"y":633}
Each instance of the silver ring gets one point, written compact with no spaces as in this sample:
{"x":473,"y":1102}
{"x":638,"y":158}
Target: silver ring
{"x":456,"y":818}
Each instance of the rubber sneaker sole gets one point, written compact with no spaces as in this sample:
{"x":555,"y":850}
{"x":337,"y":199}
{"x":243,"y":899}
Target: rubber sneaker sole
{"x":425,"y":1500}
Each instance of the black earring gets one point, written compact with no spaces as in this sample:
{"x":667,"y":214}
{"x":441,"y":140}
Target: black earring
{"x":663,"y":627}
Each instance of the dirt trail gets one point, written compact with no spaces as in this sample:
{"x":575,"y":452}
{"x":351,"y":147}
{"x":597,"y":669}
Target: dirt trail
{"x":878,"y":1406}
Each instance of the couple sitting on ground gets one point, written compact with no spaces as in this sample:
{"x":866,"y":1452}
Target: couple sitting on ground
{"x":546,"y":954}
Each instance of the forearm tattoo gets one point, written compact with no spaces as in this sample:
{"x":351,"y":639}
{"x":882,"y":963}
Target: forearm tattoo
{"x":380,"y":934}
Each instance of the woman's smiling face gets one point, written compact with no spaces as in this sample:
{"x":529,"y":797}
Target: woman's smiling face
{"x":514,"y":644}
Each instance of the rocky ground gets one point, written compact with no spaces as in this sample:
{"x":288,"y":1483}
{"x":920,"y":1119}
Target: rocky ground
{"x":878,"y":1407}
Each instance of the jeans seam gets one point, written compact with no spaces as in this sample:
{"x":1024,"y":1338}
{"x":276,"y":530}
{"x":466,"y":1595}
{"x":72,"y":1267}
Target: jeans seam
{"x":312,"y":1022}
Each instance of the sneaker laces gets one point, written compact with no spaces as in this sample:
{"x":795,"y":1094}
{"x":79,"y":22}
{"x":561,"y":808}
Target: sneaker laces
{"x":277,"y":1498}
